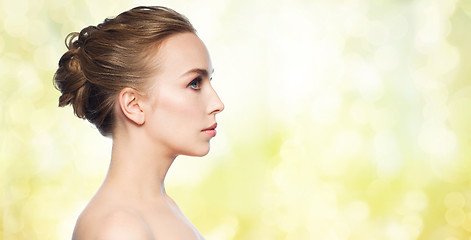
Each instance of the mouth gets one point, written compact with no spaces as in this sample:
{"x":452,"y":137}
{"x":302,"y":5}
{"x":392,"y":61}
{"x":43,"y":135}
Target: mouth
{"x":211,"y":131}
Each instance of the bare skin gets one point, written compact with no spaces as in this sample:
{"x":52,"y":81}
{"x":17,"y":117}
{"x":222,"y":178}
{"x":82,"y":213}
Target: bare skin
{"x":151,"y":131}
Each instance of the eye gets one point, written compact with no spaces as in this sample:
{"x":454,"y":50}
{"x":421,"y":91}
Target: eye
{"x":195,"y":84}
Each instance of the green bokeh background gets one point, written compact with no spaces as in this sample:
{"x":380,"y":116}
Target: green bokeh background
{"x":343,"y":120}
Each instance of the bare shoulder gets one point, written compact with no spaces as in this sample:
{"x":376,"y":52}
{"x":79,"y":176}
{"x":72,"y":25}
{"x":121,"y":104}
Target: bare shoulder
{"x":112,"y":225}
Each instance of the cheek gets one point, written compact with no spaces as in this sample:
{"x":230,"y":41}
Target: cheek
{"x":179,"y":108}
{"x":176,"y":114}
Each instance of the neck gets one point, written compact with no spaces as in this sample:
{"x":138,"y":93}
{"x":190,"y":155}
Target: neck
{"x":138,"y":167}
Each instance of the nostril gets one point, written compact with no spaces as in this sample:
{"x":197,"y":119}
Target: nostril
{"x":217,"y":109}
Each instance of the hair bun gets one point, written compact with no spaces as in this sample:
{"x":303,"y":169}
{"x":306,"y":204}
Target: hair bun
{"x":69,"y":77}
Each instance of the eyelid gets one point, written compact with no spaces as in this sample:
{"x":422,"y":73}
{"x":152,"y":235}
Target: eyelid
{"x":197,"y":80}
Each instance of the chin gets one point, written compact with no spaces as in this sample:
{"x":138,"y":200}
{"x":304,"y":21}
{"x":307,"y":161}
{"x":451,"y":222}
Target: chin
{"x":198,"y":152}
{"x":201,"y":153}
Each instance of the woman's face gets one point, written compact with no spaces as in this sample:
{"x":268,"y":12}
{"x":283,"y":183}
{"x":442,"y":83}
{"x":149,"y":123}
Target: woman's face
{"x":183,"y":104}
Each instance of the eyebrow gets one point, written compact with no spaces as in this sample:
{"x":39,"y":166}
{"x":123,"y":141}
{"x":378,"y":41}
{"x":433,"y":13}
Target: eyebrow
{"x":201,"y":71}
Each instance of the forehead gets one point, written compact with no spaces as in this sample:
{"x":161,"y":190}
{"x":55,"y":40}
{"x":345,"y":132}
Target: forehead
{"x":182,"y":52}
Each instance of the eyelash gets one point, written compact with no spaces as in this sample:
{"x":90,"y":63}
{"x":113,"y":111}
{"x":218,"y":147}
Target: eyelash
{"x":197,"y":81}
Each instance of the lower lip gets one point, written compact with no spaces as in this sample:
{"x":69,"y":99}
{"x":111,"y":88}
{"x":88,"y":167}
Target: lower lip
{"x":211,"y":133}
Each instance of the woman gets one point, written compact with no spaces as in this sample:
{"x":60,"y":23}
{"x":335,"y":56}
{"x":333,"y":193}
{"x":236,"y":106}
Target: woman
{"x":142,"y":78}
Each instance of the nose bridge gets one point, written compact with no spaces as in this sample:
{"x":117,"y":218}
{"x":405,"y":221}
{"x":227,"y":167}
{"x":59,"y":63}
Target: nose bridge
{"x":215,"y":104}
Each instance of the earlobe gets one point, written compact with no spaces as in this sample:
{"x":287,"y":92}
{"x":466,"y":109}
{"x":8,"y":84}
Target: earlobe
{"x":129,"y":103}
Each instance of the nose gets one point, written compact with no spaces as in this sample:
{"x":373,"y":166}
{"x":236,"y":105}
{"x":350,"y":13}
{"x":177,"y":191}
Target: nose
{"x":216,"y":105}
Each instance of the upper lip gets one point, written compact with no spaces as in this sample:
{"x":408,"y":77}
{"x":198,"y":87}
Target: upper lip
{"x":212,"y":127}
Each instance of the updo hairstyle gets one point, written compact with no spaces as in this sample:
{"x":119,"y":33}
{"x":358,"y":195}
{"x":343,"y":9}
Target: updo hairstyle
{"x":104,"y":59}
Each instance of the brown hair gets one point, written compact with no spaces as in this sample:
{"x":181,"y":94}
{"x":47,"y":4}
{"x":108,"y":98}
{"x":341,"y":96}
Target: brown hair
{"x":111,"y":56}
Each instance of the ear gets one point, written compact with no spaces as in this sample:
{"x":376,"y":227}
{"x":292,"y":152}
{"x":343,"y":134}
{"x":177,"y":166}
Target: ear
{"x":129,"y":103}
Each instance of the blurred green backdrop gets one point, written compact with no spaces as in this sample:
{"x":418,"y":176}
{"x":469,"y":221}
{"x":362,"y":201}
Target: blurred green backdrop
{"x":343,"y":120}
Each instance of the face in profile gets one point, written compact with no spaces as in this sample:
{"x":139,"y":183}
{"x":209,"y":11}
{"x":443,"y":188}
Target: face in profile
{"x":182,"y":102}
